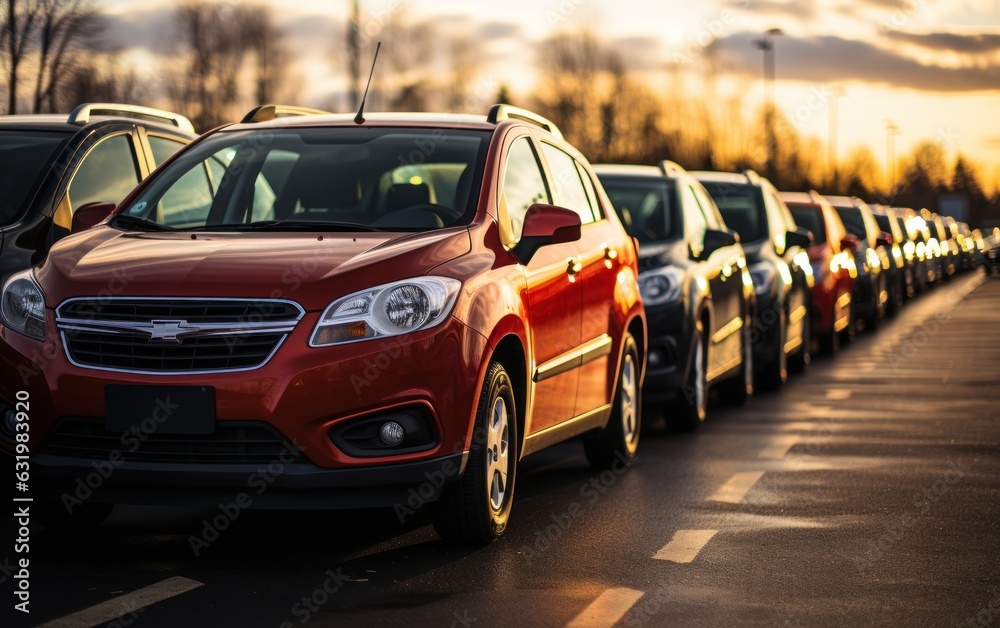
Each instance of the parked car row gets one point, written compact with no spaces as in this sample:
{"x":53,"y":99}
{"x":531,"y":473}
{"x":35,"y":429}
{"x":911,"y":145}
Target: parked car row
{"x":340,"y":311}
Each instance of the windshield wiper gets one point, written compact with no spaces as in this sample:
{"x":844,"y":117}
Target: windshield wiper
{"x":290,"y":225}
{"x":139,"y":223}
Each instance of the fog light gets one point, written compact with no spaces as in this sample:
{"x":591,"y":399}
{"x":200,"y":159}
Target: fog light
{"x":8,"y":425}
{"x":655,"y":358}
{"x":392,"y":433}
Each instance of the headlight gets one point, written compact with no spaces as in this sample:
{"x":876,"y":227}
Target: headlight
{"x":390,"y":310}
{"x":22,"y":308}
{"x":662,"y":285}
{"x":763,"y":275}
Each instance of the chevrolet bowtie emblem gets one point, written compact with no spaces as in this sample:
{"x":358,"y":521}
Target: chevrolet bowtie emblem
{"x":168,"y":331}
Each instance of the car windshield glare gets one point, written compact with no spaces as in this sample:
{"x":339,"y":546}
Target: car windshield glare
{"x":646,"y":208}
{"x":24,"y":160}
{"x":384,"y":179}
{"x":742,"y":207}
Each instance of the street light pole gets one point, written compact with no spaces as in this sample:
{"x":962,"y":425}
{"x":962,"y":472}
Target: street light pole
{"x":832,"y":156}
{"x":891,"y":131}
{"x":766,"y":45}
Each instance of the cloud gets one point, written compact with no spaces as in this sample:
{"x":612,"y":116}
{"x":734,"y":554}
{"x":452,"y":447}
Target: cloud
{"x":829,"y":59}
{"x":975,"y":43}
{"x":639,"y":53}
{"x":805,"y":11}
{"x":498,"y":30}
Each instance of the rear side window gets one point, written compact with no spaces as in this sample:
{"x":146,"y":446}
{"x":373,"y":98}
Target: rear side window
{"x":108,"y":173}
{"x":567,"y":185}
{"x":163,"y":148}
{"x":523,"y":183}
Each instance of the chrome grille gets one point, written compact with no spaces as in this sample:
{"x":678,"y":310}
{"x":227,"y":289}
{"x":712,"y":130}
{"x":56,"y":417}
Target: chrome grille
{"x":172,"y":336}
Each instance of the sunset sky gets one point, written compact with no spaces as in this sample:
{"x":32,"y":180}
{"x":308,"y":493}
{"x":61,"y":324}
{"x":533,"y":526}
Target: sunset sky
{"x":931,"y":66}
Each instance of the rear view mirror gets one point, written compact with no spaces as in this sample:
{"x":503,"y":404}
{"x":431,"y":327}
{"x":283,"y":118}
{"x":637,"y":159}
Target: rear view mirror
{"x":90,"y":214}
{"x":850,"y":242}
{"x":544,"y":225}
{"x":799,"y":237}
{"x":716,"y":239}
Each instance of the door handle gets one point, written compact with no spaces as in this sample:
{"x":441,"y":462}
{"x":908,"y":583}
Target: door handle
{"x":573,"y":265}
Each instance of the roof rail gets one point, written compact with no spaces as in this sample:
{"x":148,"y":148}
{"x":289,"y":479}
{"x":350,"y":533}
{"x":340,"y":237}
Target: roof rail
{"x":499,"y":113}
{"x":752,"y":176}
{"x":671,"y":167}
{"x":266,"y":113}
{"x":82,"y":114}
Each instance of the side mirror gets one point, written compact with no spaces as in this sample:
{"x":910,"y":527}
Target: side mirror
{"x":90,"y":214}
{"x":800,"y":237}
{"x":715,"y":239}
{"x":850,"y":241}
{"x":885,"y":239}
{"x":544,"y":225}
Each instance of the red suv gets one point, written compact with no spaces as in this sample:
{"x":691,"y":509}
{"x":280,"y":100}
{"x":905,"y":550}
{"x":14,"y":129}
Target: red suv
{"x":832,"y":257}
{"x":337,"y":314}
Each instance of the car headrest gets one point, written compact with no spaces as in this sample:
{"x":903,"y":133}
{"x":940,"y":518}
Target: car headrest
{"x":403,"y":195}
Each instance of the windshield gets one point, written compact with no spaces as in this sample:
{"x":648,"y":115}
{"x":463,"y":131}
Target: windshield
{"x":742,"y":208}
{"x":853,"y":221}
{"x":811,"y":218}
{"x":24,"y":159}
{"x":645,"y":207}
{"x":348,"y":179}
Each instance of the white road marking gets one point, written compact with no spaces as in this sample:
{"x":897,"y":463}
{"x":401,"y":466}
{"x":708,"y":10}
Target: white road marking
{"x":685,"y":545}
{"x":735,"y":489}
{"x":125,"y":604}
{"x":607,"y":609}
{"x":838,"y":394}
{"x":779,"y":446}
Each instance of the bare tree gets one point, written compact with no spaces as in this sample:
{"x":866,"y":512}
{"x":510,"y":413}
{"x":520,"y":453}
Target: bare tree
{"x":63,"y":26}
{"x":217,"y":40}
{"x":20,"y":18}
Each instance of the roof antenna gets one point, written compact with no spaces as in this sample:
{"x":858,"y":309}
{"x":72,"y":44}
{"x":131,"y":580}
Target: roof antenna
{"x":360,"y":118}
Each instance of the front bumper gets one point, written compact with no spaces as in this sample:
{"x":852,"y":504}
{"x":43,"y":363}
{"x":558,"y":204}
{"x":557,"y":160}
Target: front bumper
{"x":301,"y":392}
{"x":668,"y":353}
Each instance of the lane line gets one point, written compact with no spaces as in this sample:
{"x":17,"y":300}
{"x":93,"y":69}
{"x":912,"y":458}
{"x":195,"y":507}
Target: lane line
{"x":607,"y":609}
{"x":779,"y":446}
{"x":125,"y":604}
{"x":685,"y":545}
{"x":736,"y":487}
{"x":838,"y":394}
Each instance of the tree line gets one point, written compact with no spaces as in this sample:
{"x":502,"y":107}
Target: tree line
{"x":221,"y":58}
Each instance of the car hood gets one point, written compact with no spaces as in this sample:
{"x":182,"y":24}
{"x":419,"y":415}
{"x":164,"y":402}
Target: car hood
{"x":655,"y":255}
{"x":309,"y":268}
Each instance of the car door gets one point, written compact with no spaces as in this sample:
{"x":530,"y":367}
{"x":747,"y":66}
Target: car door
{"x":597,"y":250}
{"x":553,"y":292}
{"x":722,"y":328}
{"x":796,"y":291}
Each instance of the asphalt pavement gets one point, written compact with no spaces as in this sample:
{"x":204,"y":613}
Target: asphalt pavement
{"x":866,"y":492}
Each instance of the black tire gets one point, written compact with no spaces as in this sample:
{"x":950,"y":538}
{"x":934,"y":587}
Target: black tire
{"x":849,"y":333}
{"x":689,"y":409}
{"x":798,"y":362}
{"x":739,"y":388}
{"x":775,"y":373}
{"x":86,"y":516}
{"x":619,"y":440}
{"x":475,"y":509}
